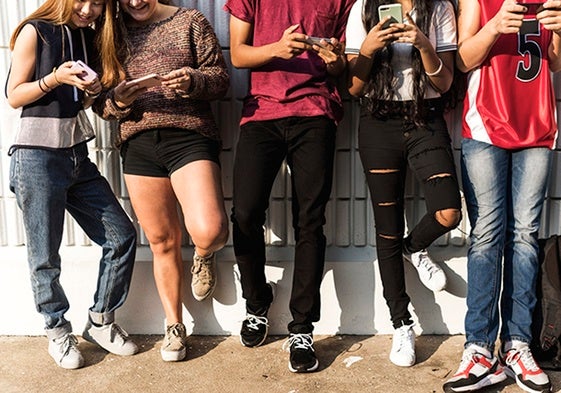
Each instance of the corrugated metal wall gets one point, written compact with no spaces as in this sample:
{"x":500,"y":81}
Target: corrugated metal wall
{"x":349,"y":228}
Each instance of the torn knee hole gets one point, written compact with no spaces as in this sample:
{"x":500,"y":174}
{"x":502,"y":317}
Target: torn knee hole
{"x":448,"y":217}
{"x":383,"y":170}
{"x":387,"y":203}
{"x":439,"y":176}
{"x":389,"y":237}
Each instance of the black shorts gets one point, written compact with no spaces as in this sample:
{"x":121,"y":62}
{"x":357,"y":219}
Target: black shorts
{"x":158,"y":153}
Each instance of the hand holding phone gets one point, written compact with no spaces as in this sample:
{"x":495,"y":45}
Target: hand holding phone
{"x":87,"y":74}
{"x":146,"y":81}
{"x":392,"y":10}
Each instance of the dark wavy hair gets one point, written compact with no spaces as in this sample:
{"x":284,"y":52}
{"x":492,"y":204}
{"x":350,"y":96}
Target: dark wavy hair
{"x":381,"y":88}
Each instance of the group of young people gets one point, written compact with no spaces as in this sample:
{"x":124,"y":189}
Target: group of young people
{"x":404,"y":73}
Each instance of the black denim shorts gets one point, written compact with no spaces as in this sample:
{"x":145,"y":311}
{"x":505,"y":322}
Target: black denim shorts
{"x":160,"y":152}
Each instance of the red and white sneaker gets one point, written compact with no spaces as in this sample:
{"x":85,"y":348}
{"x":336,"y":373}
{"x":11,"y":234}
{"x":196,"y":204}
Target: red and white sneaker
{"x":478,"y":368}
{"x":520,"y":365}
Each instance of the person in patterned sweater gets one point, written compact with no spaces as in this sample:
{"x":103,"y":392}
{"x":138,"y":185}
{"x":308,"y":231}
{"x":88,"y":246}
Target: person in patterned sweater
{"x":170,"y":145}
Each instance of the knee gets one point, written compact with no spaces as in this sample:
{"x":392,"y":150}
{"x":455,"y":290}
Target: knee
{"x":164,"y":242}
{"x":210,"y":236}
{"x":248,"y":221}
{"x":449,"y":218}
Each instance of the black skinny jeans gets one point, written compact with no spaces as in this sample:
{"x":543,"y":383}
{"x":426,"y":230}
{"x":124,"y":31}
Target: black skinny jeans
{"x":308,"y":144}
{"x":386,"y":147}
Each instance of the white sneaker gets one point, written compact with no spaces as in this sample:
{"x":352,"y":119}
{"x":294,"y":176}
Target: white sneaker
{"x":431,"y":275}
{"x":64,"y":350}
{"x":110,"y":337}
{"x":403,"y":346}
{"x":520,"y":365}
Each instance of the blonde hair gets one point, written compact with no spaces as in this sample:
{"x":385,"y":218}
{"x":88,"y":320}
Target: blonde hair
{"x":59,"y":12}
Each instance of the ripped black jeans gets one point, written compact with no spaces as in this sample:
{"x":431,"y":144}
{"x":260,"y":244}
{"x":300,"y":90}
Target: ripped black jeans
{"x":386,"y":147}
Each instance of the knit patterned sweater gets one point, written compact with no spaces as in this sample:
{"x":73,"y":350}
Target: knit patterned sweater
{"x":186,"y":39}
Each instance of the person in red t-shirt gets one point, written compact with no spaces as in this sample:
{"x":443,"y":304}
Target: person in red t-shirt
{"x":291,"y":113}
{"x":509,"y":49}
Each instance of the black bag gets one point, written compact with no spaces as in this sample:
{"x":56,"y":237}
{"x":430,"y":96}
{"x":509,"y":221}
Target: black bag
{"x":546,"y":323}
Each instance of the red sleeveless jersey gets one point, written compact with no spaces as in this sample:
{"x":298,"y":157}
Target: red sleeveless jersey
{"x":510,"y":101}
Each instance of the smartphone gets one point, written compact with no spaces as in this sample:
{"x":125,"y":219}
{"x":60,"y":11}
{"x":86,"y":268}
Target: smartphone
{"x":317,"y":40}
{"x":149,"y":80}
{"x":87,"y":74}
{"x":393,"y":10}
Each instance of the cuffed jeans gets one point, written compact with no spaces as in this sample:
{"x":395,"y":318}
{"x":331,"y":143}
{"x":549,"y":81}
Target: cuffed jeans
{"x":504,"y":191}
{"x":48,"y":182}
{"x":308,"y":145}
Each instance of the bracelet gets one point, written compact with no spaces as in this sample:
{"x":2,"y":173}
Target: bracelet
{"x":45,"y":83}
{"x":56,"y":79}
{"x":41,"y":87}
{"x":437,"y":70}
{"x":91,"y":95}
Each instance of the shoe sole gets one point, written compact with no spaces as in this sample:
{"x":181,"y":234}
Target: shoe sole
{"x":510,"y":373}
{"x":173,"y":356}
{"x":308,"y":370}
{"x":402,"y":364}
{"x":489,"y":380}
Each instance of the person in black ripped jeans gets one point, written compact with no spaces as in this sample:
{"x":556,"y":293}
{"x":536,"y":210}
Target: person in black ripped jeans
{"x":400,"y":72}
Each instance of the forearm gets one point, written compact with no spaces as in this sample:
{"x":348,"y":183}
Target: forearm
{"x":555,"y":53}
{"x":29,"y":92}
{"x":247,"y":56}
{"x":359,"y":73}
{"x":439,"y":69}
{"x":475,"y":49}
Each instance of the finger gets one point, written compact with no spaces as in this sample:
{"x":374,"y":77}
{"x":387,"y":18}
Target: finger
{"x":410,"y":20}
{"x":291,"y":29}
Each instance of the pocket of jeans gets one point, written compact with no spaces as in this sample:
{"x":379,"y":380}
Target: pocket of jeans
{"x":12,"y":173}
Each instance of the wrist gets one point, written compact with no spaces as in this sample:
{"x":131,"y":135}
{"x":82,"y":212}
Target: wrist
{"x":58,"y":83}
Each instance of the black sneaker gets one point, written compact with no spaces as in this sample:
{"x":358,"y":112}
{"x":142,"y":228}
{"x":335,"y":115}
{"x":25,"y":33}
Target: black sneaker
{"x":255,"y":327}
{"x":302,"y":355}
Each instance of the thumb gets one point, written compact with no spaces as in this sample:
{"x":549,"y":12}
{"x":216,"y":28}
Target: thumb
{"x":292,"y":28}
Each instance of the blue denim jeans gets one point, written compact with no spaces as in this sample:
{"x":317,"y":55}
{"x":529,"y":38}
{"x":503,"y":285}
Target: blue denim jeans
{"x":308,"y":144}
{"x":504,"y":191}
{"x":48,"y":182}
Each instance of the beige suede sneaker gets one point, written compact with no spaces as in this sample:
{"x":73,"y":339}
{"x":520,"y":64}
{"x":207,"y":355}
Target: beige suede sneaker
{"x":204,"y":276}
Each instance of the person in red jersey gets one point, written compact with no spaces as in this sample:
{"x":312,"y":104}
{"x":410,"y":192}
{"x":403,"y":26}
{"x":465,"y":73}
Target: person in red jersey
{"x":509,"y":50}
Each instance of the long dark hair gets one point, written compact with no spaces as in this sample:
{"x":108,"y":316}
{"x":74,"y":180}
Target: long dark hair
{"x":381,"y":88}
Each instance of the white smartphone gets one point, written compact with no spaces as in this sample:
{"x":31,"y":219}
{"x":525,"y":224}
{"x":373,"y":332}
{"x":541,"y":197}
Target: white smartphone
{"x":87,"y":74}
{"x":393,"y":10}
{"x":149,"y":80}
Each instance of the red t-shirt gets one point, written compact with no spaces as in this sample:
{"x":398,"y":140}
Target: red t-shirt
{"x":510,"y":101}
{"x":296,"y":87}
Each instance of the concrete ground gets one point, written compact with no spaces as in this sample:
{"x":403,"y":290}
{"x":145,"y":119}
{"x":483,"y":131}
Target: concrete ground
{"x":221,"y":364}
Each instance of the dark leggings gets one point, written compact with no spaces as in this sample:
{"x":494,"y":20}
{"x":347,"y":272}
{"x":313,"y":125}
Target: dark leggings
{"x":386,"y":148}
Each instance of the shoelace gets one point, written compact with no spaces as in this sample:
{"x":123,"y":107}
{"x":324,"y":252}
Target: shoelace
{"x":425,"y":262}
{"x":197,"y":268}
{"x":524,"y":355}
{"x":299,"y":341}
{"x":403,"y":337}
{"x":69,"y":344}
{"x":253,"y":321}
{"x":175,"y":330}
{"x":117,"y":331}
